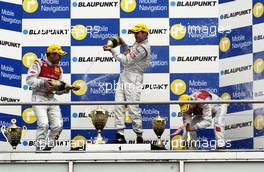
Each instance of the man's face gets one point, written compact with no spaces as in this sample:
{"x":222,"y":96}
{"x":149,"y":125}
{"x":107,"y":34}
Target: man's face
{"x":54,"y":58}
{"x":140,"y":36}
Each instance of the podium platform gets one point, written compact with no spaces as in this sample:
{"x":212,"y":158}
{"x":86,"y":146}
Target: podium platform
{"x":132,"y":161}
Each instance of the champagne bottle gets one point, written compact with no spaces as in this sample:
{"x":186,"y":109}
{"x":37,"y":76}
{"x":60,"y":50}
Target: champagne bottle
{"x":59,"y":85}
{"x":113,"y":42}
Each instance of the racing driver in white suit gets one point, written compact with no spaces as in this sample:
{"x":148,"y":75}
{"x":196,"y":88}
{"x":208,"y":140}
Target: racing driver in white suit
{"x":39,"y":79}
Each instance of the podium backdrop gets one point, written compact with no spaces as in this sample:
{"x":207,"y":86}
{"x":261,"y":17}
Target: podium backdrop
{"x":195,"y":44}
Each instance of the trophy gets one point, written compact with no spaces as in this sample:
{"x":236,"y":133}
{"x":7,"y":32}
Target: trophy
{"x":99,"y":118}
{"x":13,"y":133}
{"x":159,"y":125}
{"x":113,"y":42}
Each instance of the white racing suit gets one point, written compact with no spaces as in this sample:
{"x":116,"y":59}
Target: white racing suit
{"x":40,"y":71}
{"x":203,"y":115}
{"x":130,"y":83}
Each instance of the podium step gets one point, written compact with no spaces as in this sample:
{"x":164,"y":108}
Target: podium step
{"x":118,"y":147}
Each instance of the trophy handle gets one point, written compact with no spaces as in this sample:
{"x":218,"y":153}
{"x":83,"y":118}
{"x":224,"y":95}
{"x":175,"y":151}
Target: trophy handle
{"x":3,"y":130}
{"x":24,"y":131}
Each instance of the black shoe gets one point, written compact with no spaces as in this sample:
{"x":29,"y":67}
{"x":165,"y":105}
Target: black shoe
{"x":47,"y":148}
{"x":120,"y":139}
{"x":139,"y":140}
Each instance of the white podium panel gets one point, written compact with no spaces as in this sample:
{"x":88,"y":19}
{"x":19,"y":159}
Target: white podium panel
{"x":127,"y":167}
{"x":34,"y":167}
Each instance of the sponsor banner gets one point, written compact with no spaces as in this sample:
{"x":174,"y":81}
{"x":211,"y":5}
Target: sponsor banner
{"x":80,"y":117}
{"x":189,"y":83}
{"x":94,"y":87}
{"x":46,"y":31}
{"x":26,"y":92}
{"x":258,"y":65}
{"x":28,"y":142}
{"x":230,"y":13}
{"x":30,"y":54}
{"x":10,"y":72}
{"x":237,"y":92}
{"x":89,"y":135}
{"x":193,"y":31}
{"x":195,"y":8}
{"x":159,"y":62}
{"x":86,"y":32}
{"x":110,"y":9}
{"x":238,"y":125}
{"x":231,"y":70}
{"x":11,"y":16}
{"x":258,"y":92}
{"x":258,"y":122}
{"x":29,"y":118}
{"x":158,"y":34}
{"x":258,"y":9}
{"x":149,"y":112}
{"x":144,"y":9}
{"x":12,"y":94}
{"x":258,"y":37}
{"x":46,"y":9}
{"x":242,"y":144}
{"x":93,"y":60}
{"x":10,"y":44}
{"x":193,"y":59}
{"x":175,"y":117}
{"x":149,"y":136}
{"x":235,"y":42}
{"x":258,"y":143}
{"x":156,"y":87}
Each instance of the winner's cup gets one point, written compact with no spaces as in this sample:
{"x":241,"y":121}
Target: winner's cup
{"x":13,"y":133}
{"x":113,"y":42}
{"x":99,"y":118}
{"x":159,"y":125}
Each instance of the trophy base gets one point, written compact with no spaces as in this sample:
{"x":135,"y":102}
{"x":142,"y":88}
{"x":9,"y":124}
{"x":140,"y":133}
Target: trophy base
{"x":14,"y":147}
{"x":157,"y":147}
{"x":99,"y":140}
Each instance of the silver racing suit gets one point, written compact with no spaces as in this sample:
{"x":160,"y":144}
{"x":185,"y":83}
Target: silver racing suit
{"x":37,"y":74}
{"x":130,"y":83}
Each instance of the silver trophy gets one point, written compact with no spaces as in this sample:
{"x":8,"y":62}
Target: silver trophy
{"x":159,"y":125}
{"x":99,"y":118}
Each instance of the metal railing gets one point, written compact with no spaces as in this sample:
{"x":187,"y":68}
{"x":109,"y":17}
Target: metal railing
{"x":133,"y":102}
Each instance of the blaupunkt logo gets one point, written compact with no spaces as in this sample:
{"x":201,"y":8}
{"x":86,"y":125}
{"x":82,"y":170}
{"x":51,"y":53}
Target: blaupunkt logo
{"x":30,"y":6}
{"x":236,"y":69}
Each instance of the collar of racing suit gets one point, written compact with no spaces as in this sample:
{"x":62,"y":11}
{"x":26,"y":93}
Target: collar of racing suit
{"x":143,"y":42}
{"x":47,"y":61}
